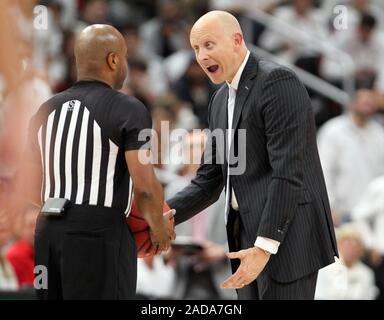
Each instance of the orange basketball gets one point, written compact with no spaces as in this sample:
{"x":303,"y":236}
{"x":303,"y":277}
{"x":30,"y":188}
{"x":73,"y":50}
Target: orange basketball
{"x":140,"y":229}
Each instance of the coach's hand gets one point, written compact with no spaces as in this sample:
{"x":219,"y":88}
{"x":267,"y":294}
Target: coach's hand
{"x":252,"y":262}
{"x":163,"y":233}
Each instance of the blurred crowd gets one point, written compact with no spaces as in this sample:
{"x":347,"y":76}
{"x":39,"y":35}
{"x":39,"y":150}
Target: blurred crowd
{"x":37,"y":61}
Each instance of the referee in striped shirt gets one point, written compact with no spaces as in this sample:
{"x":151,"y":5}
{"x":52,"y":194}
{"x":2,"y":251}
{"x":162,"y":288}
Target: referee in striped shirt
{"x":85,"y":142}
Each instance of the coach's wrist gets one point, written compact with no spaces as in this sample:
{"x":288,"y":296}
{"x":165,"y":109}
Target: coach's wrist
{"x":258,"y":250}
{"x":266,"y":252}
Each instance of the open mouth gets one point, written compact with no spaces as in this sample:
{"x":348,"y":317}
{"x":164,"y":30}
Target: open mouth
{"x":213,"y":69}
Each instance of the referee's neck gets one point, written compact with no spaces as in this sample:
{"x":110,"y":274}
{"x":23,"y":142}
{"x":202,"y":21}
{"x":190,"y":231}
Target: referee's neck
{"x":91,"y":77}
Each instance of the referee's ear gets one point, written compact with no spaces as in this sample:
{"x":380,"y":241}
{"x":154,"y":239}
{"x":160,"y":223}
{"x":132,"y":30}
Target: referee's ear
{"x":112,"y":60}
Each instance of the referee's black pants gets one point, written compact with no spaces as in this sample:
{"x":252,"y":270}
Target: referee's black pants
{"x":89,"y":253}
{"x":265,"y":287}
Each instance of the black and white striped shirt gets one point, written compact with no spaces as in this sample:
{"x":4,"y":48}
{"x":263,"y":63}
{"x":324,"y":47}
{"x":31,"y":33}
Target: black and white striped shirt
{"x":79,"y":137}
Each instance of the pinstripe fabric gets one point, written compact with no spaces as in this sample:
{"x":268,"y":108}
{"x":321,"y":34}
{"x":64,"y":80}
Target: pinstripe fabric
{"x":265,"y":287}
{"x":268,"y":289}
{"x":282,"y":193}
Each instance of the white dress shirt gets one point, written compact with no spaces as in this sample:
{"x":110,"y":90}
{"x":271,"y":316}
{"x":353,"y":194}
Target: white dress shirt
{"x":369,"y":215}
{"x":8,"y":279}
{"x":161,"y":274}
{"x":337,"y":282}
{"x":266,"y":244}
{"x":351,"y":158}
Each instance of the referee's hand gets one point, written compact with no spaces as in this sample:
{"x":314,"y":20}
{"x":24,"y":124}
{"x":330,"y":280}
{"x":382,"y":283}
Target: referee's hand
{"x":162,"y":234}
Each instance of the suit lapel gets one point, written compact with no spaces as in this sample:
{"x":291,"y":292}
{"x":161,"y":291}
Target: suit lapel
{"x":223,"y":111}
{"x":223,"y":123}
{"x":244,"y":88}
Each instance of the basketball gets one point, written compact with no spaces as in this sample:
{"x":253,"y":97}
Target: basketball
{"x":140,"y":229}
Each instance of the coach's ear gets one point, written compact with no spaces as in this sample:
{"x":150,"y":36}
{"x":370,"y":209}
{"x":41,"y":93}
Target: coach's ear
{"x":112,"y":60}
{"x":238,"y":40}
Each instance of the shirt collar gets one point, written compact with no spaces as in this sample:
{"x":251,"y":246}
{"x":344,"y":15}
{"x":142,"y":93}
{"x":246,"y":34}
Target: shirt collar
{"x":236,"y":79}
{"x":91,"y":82}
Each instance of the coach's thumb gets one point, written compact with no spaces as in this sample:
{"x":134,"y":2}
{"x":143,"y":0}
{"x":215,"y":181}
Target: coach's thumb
{"x":170,"y":214}
{"x":234,"y":255}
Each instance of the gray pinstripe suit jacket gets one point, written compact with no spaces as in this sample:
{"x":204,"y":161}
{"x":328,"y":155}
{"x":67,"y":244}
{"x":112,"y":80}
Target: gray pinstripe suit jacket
{"x":281,"y":194}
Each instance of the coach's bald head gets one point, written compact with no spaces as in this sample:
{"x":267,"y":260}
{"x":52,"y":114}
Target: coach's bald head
{"x":219,"y":20}
{"x":219,"y":45}
{"x":100,"y":53}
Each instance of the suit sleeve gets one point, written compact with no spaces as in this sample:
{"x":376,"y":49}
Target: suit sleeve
{"x":204,"y":189}
{"x":285,"y":111}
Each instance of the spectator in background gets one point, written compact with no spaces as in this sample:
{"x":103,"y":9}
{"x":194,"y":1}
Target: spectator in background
{"x":365,"y":46}
{"x":18,"y":106}
{"x":176,"y":66}
{"x":181,"y":114}
{"x":137,"y":82}
{"x":359,"y":7}
{"x":369,"y":217}
{"x":154,"y":270}
{"x":303,"y":16}
{"x":48,"y":43}
{"x":92,"y":12}
{"x":355,"y":9}
{"x":181,"y":275}
{"x":352,"y":154}
{"x":68,"y":12}
{"x":121,"y":11}
{"x":199,"y":274}
{"x":353,"y":280}
{"x":173,"y":114}
{"x":135,"y":11}
{"x":177,"y":63}
{"x":20,"y":254}
{"x":252,"y":29}
{"x":380,"y":98}
{"x":163,"y":114}
{"x":8,"y":280}
{"x":157,"y":79}
{"x":14,"y":18}
{"x":63,"y":68}
{"x":163,"y":35}
{"x":192,"y":10}
{"x":195,"y":88}
{"x":70,"y":77}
